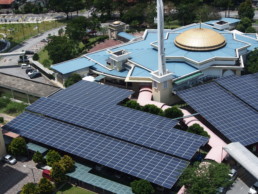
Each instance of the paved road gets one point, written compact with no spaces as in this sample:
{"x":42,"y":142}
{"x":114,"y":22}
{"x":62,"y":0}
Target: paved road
{"x":10,"y":66}
{"x":238,"y":187}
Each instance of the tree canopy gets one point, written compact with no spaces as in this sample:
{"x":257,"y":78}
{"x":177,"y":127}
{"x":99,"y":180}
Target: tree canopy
{"x":150,"y":108}
{"x":197,"y":129}
{"x":38,"y":158}
{"x":29,"y":188}
{"x":142,"y":187}
{"x":52,"y":157}
{"x":58,"y":173}
{"x":246,"y":10}
{"x":205,"y":178}
{"x":18,"y":146}
{"x":45,"y":186}
{"x":173,"y":112}
{"x":252,"y":61}
{"x":67,"y":163}
{"x":61,"y":48}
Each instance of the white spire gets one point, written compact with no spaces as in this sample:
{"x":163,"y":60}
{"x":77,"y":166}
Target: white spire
{"x":161,"y":53}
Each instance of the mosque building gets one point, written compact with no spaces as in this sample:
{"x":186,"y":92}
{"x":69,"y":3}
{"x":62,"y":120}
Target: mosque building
{"x":192,"y":55}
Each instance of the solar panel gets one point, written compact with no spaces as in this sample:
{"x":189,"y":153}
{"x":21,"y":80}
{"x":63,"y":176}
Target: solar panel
{"x":137,"y":161}
{"x":244,"y":87}
{"x":175,"y":142}
{"x":232,"y":117}
{"x":103,"y":98}
{"x":84,"y":92}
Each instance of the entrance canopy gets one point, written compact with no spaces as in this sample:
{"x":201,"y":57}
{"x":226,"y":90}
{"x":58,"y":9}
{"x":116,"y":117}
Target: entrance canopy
{"x":244,"y":157}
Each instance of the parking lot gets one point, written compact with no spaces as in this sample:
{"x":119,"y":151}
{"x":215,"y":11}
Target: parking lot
{"x":13,"y":177}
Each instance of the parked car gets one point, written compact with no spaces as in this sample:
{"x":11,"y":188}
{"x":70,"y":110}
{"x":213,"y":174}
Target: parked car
{"x":29,"y":52}
{"x":254,"y":188}
{"x":25,"y":66}
{"x":34,"y":74}
{"x":29,"y":69}
{"x":10,"y":159}
{"x":23,"y":59}
{"x":46,"y":174}
{"x":233,"y":174}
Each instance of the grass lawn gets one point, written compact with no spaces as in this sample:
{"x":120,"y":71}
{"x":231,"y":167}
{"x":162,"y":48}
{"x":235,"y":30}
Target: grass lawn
{"x":16,"y":33}
{"x":44,"y":58}
{"x":70,"y":189}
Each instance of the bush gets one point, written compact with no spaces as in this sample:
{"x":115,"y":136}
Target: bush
{"x":197,"y":129}
{"x":38,"y":158}
{"x":30,"y":188}
{"x":173,"y":112}
{"x":142,"y":187}
{"x":1,"y":119}
{"x":14,"y":107}
{"x":46,"y":63}
{"x":74,"y":78}
{"x":150,"y":108}
{"x":133,"y":104}
{"x":58,"y":173}
{"x":35,"y":57}
{"x":4,"y":102}
{"x":45,"y":186}
{"x":52,"y":157}
{"x":18,"y":146}
{"x":67,"y":163}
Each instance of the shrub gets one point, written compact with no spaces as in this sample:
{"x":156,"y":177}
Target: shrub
{"x":197,"y":129}
{"x":150,"y":108}
{"x":67,"y":163}
{"x":74,"y":78}
{"x":52,"y":157}
{"x":18,"y":146}
{"x":46,"y":63}
{"x":133,"y":104}
{"x":38,"y":158}
{"x":45,"y":186}
{"x":30,"y":188}
{"x":58,"y":173}
{"x":4,"y":102}
{"x":35,"y":57}
{"x":1,"y":119}
{"x":142,"y":187}
{"x":14,"y":107}
{"x":173,"y":112}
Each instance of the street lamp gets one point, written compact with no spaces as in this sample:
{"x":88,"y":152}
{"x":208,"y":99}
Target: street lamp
{"x":31,"y":168}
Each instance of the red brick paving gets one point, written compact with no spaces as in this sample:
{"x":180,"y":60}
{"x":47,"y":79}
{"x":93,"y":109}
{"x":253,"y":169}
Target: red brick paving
{"x":105,"y":44}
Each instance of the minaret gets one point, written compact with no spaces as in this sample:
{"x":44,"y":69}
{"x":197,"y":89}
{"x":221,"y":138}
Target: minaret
{"x":161,"y":79}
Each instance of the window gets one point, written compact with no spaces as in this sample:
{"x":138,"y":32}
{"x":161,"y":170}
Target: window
{"x":155,"y":84}
{"x":165,"y":84}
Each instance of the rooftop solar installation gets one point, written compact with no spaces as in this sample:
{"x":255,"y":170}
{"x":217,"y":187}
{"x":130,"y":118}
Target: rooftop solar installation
{"x":175,"y":142}
{"x":104,"y":99}
{"x":138,"y":161}
{"x":244,"y":87}
{"x":227,"y":113}
{"x":85,"y":92}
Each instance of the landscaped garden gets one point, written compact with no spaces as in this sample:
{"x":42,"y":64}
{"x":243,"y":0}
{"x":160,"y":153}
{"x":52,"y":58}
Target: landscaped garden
{"x":70,"y":189}
{"x":11,"y":107}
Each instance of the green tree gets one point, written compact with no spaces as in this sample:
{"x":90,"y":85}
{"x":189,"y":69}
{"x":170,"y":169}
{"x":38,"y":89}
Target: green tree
{"x":38,"y":158}
{"x":246,"y":10}
{"x":74,"y":78}
{"x":133,"y":104}
{"x":4,"y":102}
{"x":67,"y":163}
{"x":105,"y":7}
{"x":58,"y":173}
{"x":76,"y":29}
{"x":18,"y":146}
{"x":35,"y":57}
{"x":173,"y":112}
{"x":197,"y":129}
{"x":244,"y":24}
{"x":30,"y":188}
{"x":150,"y":108}
{"x":142,"y":187}
{"x":252,"y":61}
{"x":186,"y":13}
{"x":52,"y":157}
{"x":250,"y":29}
{"x":65,"y":6}
{"x":61,"y":49}
{"x":205,"y":178}
{"x":45,"y":186}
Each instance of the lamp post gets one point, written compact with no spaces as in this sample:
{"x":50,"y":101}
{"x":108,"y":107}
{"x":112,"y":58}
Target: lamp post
{"x":31,"y":168}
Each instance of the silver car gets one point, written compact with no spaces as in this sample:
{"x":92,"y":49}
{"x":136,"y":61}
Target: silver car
{"x":10,"y":159}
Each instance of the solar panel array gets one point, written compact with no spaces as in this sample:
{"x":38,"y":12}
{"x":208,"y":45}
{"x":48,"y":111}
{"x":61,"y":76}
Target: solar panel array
{"x":138,"y":161}
{"x":174,"y":142}
{"x":227,"y":113}
{"x":244,"y":87}
{"x":104,"y":99}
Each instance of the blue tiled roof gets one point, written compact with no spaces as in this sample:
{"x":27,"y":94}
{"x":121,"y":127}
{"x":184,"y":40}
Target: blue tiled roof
{"x":254,"y":43}
{"x":72,"y":65}
{"x":101,"y":69}
{"x":126,"y":35}
{"x":252,"y":35}
{"x":228,"y":20}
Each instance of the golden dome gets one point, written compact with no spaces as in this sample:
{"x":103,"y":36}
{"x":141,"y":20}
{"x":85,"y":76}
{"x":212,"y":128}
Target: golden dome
{"x":200,"y":39}
{"x":116,"y":22}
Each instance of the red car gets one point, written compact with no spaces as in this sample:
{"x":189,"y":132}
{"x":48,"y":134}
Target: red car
{"x":46,"y":174}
